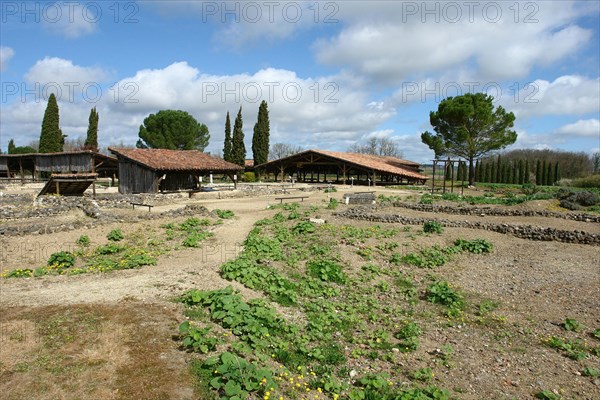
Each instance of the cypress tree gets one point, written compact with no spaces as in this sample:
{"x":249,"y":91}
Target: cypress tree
{"x":499,"y":170}
{"x":91,"y":141}
{"x":550,"y":175}
{"x":527,"y":178}
{"x":238,"y":149}
{"x":227,"y":145}
{"x":51,"y":137}
{"x":493,"y":172}
{"x":11,"y":146}
{"x":505,"y":173}
{"x":544,"y":173}
{"x":260,"y":138}
{"x":448,"y":176}
{"x":514,"y":179}
{"x":478,"y":171}
{"x":488,"y":172}
{"x":557,"y":176}
{"x":538,"y":173}
{"x":521,"y":173}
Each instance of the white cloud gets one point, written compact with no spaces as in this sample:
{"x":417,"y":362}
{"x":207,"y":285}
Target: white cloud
{"x":307,"y":111}
{"x":72,"y":19}
{"x":566,"y":95}
{"x":6,"y":53}
{"x":583,"y":128}
{"x":392,"y":42}
{"x":69,"y":82}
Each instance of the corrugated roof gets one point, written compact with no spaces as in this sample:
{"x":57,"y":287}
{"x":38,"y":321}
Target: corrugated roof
{"x":391,"y":165}
{"x":175,"y":160}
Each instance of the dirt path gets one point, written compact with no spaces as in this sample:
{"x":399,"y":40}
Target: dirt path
{"x":174,"y":273}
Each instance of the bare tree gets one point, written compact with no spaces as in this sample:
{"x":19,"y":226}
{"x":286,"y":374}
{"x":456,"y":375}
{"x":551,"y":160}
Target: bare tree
{"x":74,"y":144}
{"x":596,"y":162}
{"x":281,"y":150}
{"x":378,"y":147}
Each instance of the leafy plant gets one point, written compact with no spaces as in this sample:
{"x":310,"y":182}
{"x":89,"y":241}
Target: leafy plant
{"x":442,"y":293}
{"x":573,"y":325}
{"x":433,"y":227}
{"x":477,"y":246}
{"x":591,"y":372}
{"x":303,"y":227}
{"x":547,"y":395}
{"x":224,"y":214}
{"x":84,"y":241}
{"x":236,"y":379}
{"x":423,"y":374}
{"x":198,"y":339}
{"x":61,"y":259}
{"x":111,"y":248}
{"x":333,"y":204}
{"x":326,"y":270}
{"x":574,"y":349}
{"x":115,"y":235}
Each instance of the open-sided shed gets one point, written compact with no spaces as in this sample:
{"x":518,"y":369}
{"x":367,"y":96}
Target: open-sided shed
{"x":159,"y":170}
{"x":321,"y":165}
{"x":41,"y":165}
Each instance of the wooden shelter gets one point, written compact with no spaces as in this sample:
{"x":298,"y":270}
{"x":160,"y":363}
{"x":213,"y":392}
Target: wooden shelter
{"x":40,"y":166}
{"x":323,"y":166}
{"x":68,"y":184}
{"x":161,"y":170}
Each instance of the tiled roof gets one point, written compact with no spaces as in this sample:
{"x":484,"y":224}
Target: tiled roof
{"x":175,"y":160}
{"x":386,"y":164}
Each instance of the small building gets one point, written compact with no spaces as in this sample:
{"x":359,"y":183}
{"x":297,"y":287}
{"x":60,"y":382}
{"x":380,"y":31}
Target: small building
{"x":162,"y":170}
{"x":331,"y":166}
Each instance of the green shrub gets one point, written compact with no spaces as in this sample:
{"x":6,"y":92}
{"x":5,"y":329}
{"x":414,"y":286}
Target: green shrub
{"x":115,"y":235}
{"x":477,"y":246}
{"x":592,"y":181}
{"x":249,"y":177}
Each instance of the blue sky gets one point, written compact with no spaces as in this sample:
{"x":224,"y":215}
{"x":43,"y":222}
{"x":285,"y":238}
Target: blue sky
{"x":334,"y":73}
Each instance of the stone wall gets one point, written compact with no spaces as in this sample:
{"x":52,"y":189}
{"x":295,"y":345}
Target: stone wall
{"x":521,"y":231}
{"x":503,"y":212}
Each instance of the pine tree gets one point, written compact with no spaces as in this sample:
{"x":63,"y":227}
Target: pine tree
{"x":538,"y":173}
{"x":557,"y":176}
{"x":11,"y":146}
{"x":521,"y":173}
{"x":550,"y":175}
{"x":260,"y":138}
{"x":91,"y":141}
{"x":238,"y":149}
{"x":227,"y":144}
{"x":51,"y":137}
{"x":544,"y":173}
{"x":527,"y":177}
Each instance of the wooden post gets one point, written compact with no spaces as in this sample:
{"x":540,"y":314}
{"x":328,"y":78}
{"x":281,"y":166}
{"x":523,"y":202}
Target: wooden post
{"x":93,"y":172}
{"x":433,"y":177}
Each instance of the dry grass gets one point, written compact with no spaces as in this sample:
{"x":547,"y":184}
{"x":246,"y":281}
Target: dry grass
{"x":100,"y":352}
